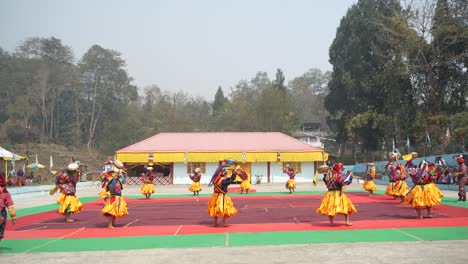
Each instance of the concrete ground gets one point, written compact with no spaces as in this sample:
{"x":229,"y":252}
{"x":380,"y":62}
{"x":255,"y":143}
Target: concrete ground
{"x":384,"y":252}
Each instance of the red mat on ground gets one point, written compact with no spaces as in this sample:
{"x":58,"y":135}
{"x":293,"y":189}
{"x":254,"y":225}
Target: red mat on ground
{"x":177,"y":216}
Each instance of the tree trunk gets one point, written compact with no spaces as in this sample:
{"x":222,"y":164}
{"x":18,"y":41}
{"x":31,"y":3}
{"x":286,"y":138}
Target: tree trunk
{"x":91,"y":121}
{"x":44,"y":112}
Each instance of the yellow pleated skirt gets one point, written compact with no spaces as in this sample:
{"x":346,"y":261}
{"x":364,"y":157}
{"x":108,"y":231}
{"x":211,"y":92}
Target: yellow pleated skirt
{"x":400,"y":188}
{"x":389,"y":191}
{"x":245,"y":185}
{"x":147,"y":188}
{"x":422,"y":196}
{"x":195,"y":187}
{"x":369,"y":186}
{"x":435,"y":189}
{"x":333,"y":204}
{"x":291,"y":184}
{"x":115,"y":206}
{"x":221,"y":205}
{"x":69,"y":204}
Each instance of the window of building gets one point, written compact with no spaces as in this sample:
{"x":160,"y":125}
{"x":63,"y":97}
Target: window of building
{"x":192,"y":165}
{"x":295,"y":165}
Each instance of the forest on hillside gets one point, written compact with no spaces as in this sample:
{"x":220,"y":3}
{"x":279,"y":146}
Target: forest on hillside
{"x":399,"y":78}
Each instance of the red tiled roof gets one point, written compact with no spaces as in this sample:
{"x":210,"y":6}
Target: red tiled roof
{"x":220,"y":141}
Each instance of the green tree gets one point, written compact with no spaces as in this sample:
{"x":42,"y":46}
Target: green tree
{"x":307,"y":96}
{"x":51,"y":75}
{"x":219,"y":100}
{"x":108,"y":87}
{"x":368,"y":73}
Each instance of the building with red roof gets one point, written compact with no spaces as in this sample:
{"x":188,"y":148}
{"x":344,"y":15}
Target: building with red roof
{"x":261,"y":154}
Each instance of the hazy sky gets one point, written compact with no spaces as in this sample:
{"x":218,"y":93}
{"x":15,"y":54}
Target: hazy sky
{"x":192,"y":46}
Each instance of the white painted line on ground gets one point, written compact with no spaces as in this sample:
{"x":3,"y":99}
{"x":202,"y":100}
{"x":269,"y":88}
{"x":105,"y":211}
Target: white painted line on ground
{"x":227,"y":240}
{"x":131,"y":223}
{"x":52,"y":241}
{"x":410,"y":235}
{"x":178,"y":229}
{"x":297,"y":221}
{"x":36,"y":228}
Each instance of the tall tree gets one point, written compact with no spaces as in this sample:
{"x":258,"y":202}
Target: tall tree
{"x":307,"y":96}
{"x":219,"y":100}
{"x":107,"y":87}
{"x":278,"y":83}
{"x":51,"y":76}
{"x":368,"y":73}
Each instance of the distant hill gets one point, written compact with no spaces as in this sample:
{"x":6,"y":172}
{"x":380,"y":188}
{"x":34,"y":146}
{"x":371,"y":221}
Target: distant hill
{"x":61,"y":155}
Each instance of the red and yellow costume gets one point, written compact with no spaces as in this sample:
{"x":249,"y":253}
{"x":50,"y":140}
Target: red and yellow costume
{"x":391,"y":181}
{"x":115,"y":205}
{"x":400,"y":188}
{"x":104,"y":193}
{"x":430,"y":181}
{"x":420,"y":195}
{"x":335,"y":201}
{"x":291,"y":183}
{"x":66,"y":183}
{"x":369,"y":184}
{"x":195,"y":187}
{"x":245,"y":184}
{"x":220,"y":204}
{"x":148,"y":186}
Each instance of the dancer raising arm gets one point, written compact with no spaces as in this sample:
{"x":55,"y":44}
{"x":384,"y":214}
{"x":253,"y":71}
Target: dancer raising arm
{"x":335,"y":200}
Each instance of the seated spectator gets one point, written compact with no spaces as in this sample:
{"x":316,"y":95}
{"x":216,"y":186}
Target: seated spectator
{"x":11,"y":173}
{"x":20,"y":172}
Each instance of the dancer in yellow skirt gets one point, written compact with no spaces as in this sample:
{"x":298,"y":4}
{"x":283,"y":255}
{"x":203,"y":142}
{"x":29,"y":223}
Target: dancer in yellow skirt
{"x":115,"y":206}
{"x":220,"y":204}
{"x":400,"y":188}
{"x":291,"y":183}
{"x":369,"y":184}
{"x":335,"y":201}
{"x":148,"y":186}
{"x":432,"y":172}
{"x":393,"y":177}
{"x":196,"y":185}
{"x":66,"y":183}
{"x":245,"y":184}
{"x":104,"y":193}
{"x":420,"y":196}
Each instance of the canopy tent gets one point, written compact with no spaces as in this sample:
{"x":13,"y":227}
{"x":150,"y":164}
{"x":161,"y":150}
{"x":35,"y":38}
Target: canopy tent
{"x":9,"y":156}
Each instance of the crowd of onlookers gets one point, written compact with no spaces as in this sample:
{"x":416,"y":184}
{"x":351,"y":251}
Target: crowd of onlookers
{"x":448,"y":176}
{"x":19,"y":178}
